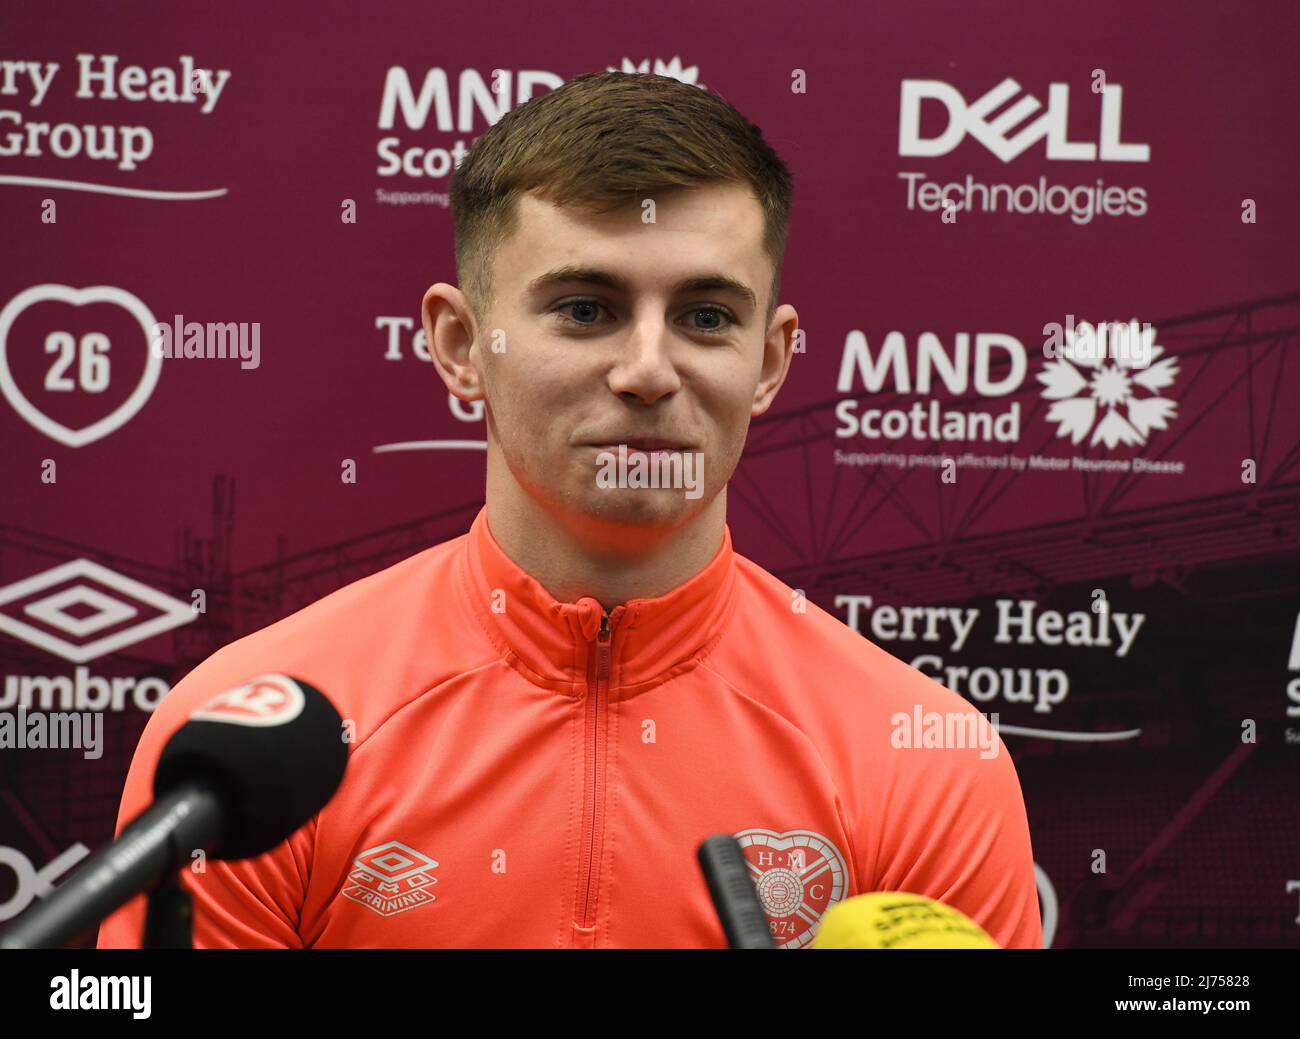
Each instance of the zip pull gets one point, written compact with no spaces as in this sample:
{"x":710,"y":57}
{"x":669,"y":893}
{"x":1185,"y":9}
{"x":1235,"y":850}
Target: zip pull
{"x":602,"y":647}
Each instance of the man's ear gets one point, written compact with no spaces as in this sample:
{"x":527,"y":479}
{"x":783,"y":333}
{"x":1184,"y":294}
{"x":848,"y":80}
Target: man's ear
{"x":450,"y":333}
{"x":777,"y":352}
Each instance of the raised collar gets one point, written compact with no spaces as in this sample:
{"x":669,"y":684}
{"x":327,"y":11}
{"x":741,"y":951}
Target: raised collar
{"x":552,"y":642}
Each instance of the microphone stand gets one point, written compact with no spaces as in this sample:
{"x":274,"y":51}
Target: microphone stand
{"x":169,"y":914}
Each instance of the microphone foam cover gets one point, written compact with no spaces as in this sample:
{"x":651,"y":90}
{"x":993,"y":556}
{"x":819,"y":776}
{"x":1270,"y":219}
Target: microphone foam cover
{"x":898,"y":920}
{"x":272,"y":749}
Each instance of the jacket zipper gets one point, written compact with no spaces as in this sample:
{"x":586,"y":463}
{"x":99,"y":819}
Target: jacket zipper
{"x":593,"y":809}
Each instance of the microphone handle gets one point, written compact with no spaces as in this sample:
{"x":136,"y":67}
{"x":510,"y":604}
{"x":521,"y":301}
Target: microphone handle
{"x":161,"y":838}
{"x":734,"y":897}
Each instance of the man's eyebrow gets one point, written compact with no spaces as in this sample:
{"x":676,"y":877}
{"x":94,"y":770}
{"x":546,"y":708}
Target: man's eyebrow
{"x":571,"y":273}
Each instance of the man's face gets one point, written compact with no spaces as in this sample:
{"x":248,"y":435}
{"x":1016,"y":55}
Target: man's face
{"x":610,"y":329}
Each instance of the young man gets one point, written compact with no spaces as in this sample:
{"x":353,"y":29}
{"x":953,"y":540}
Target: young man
{"x":554,"y":709}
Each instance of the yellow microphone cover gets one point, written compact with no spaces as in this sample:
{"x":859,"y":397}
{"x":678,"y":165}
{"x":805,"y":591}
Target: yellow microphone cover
{"x":898,"y":920}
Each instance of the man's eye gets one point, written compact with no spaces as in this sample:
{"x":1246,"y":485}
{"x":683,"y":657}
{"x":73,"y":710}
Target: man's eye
{"x":593,"y":308}
{"x":721,"y":312}
{"x":589,"y":305}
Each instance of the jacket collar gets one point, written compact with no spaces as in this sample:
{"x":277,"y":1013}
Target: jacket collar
{"x":552,"y":642}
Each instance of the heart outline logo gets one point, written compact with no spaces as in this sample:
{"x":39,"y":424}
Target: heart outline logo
{"x":120,"y":415}
{"x":798,"y":876}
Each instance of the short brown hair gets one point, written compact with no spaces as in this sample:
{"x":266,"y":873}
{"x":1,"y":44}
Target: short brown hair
{"x":601,"y":140}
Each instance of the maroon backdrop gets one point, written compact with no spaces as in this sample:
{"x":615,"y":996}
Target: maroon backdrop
{"x":1121,"y":163}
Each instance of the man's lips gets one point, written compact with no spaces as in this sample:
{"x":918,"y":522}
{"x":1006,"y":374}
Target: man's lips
{"x":643,"y":445}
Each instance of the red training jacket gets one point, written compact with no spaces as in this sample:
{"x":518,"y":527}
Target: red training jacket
{"x":529,"y":772}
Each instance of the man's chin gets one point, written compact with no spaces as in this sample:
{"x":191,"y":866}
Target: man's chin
{"x":641,"y":506}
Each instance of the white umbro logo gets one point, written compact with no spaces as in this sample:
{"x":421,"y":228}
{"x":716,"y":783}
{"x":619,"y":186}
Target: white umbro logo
{"x":84,"y":584}
{"x":391,"y":878}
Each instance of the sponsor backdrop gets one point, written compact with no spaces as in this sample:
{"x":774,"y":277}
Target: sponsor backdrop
{"x":1095,"y":539}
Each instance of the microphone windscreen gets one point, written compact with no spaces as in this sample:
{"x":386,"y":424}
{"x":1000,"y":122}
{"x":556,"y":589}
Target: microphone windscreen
{"x":898,"y":920}
{"x":273,"y":750}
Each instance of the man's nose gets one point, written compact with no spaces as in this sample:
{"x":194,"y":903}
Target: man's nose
{"x":644,"y":366}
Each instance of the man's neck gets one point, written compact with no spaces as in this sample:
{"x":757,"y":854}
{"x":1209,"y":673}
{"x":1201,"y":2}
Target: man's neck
{"x":573,"y":557}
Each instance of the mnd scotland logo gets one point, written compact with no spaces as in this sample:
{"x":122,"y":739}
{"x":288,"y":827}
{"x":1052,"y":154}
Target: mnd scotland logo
{"x":1109,"y":393}
{"x":672,"y":68}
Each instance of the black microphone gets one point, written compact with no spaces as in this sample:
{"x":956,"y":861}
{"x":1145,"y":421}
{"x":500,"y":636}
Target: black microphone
{"x":734,"y":896}
{"x":241,"y":775}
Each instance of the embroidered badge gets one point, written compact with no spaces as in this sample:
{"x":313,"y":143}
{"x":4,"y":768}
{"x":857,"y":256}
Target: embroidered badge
{"x":799,"y":875}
